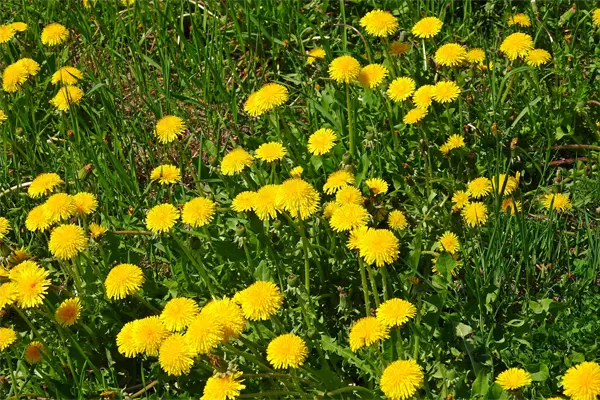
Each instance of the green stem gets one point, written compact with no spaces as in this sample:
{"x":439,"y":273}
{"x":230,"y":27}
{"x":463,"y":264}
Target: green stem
{"x":424,"y":56}
{"x":384,"y":279}
{"x":349,"y":389}
{"x":350,"y":128}
{"x":13,"y":381}
{"x":373,"y":285}
{"x":365,"y":286}
{"x":146,"y":303}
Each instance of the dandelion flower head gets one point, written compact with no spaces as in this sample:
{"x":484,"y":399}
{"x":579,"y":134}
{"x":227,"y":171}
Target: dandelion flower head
{"x":365,"y":332}
{"x":287,"y":351}
{"x":344,"y":69}
{"x":54,"y":34}
{"x":235,"y":161}
{"x":198,"y":212}
{"x":259,"y":301}
{"x":44,"y":184}
{"x":401,"y":379}
{"x":372,"y":75}
{"x":162,"y":218}
{"x":178,"y":313}
{"x":379,"y":23}
{"x":123,"y":280}
{"x":168,"y":128}
{"x":513,"y":378}
{"x":66,"y":241}
{"x":395,"y":312}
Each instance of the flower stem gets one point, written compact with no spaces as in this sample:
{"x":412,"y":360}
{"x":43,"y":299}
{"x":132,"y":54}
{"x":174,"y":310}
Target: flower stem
{"x":384,"y":279}
{"x":350,"y":128}
{"x":424,"y":56}
{"x":373,"y":284}
{"x":13,"y":381}
{"x":365,"y":286}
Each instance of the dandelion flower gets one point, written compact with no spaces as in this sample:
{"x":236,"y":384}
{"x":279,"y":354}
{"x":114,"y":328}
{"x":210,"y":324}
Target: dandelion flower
{"x":401,"y":88}
{"x":162,"y":218}
{"x":30,"y":65}
{"x":349,"y":217}
{"x":395,"y":312}
{"x":259,"y":301}
{"x":423,"y":96}
{"x":235,"y":162}
{"x":204,"y":333}
{"x":175,"y":355}
{"x":519,"y":19}
{"x":557,"y":201}
{"x":198,"y":212}
{"x":68,"y":312}
{"x":427,"y":27}
{"x":85,"y":203}
{"x":450,"y":55}
{"x":179,"y":313}
{"x":475,"y":56}
{"x":321,"y":141}
{"x":474,"y":214}
{"x":504,"y":184}
{"x":344,"y":69}
{"x":510,"y":206}
{"x":97,"y":230}
{"x":223,"y":387}
{"x":287,"y":351}
{"x":18,"y":26}
{"x":315,"y":54}
{"x":479,"y":187}
{"x":446,"y":91}
{"x":165,"y":174}
{"x":338,"y":180}
{"x":379,"y":247}
{"x":67,"y":75}
{"x":372,"y":75}
{"x":149,"y":333}
{"x":59,"y":206}
{"x":8,"y":294}
{"x":379,"y":23}
{"x":349,"y":194}
{"x":582,"y":381}
{"x":329,"y":208}
{"x":7,"y":32}
{"x":244,"y":201}
{"x":397,"y":48}
{"x":596,"y":17}
{"x":270,"y":152}
{"x":38,"y":219}
{"x":377,"y":186}
{"x":123,"y":280}
{"x":449,"y":242}
{"x":126,"y":343}
{"x":298,"y":198}
{"x":31,"y":284}
{"x":168,"y":128}
{"x":13,"y":77}
{"x":365,"y":332}
{"x":3,"y":117}
{"x":516,"y":45}
{"x":537,"y":57}
{"x":33,"y":353}
{"x":54,"y":34}
{"x":513,"y":378}
{"x":270,"y":96}
{"x":7,"y":337}
{"x":66,"y":241}
{"x":355,"y":237}
{"x":460,"y":199}
{"x":44,"y":184}
{"x":415,"y":115}
{"x":21,"y":268}
{"x":66,"y":96}
{"x":296,"y":172}
{"x":229,"y":315}
{"x":455,"y":142}
{"x":4,"y":227}
{"x":397,"y":220}
{"x":401,"y":379}
{"x":265,"y":202}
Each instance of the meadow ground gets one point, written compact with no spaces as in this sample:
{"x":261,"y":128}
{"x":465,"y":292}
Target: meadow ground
{"x":292,"y":199}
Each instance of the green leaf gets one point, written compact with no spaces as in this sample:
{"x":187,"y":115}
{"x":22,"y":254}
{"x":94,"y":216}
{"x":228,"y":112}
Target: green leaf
{"x":463,"y":330}
{"x":228,"y":250}
{"x":262,"y":272}
{"x":445,"y":265}
{"x":480,"y":385}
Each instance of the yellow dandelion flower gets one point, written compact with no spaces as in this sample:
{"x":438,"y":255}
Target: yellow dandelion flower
{"x":460,"y":199}
{"x":348,"y":217}
{"x":21,"y":268}
{"x":30,"y":65}
{"x":557,"y":201}
{"x":18,"y":26}
{"x":321,"y":141}
{"x":66,"y":96}
{"x":259,"y":301}
{"x":32,"y":285}
{"x":519,"y":19}
{"x":205,"y":333}
{"x":446,"y":91}
{"x":475,"y":56}
{"x":60,"y":206}
{"x":7,"y":337}
{"x":315,"y":54}
{"x":297,"y":197}
{"x":168,"y":128}
{"x":474,"y":214}
{"x":401,"y":88}
{"x":267,"y":98}
{"x":455,"y":142}
{"x":287,"y":351}
{"x":596,"y":17}
{"x":97,"y":230}
{"x":44,"y":184}
{"x":349,"y":194}
{"x":165,"y":174}
{"x":372,"y":75}
{"x":510,"y":206}
{"x":67,"y":75}
{"x":176,"y":356}
{"x":516,"y":45}
{"x":395,"y":312}
{"x":479,"y":187}
{"x":235,"y":162}
{"x":229,"y":315}
{"x":397,"y":48}
{"x":397,"y":220}
{"x":162,"y":218}
{"x":355,"y":237}
{"x":149,"y":333}
{"x":179,"y":313}
{"x":66,"y":241}
{"x":123,"y":280}
{"x":449,"y":242}
{"x":513,"y":378}
{"x":365,"y":332}
{"x":344,"y":69}
{"x":244,"y":201}
{"x":423,"y":96}
{"x":54,"y":34}
{"x":338,"y":180}
{"x":265,"y":202}
{"x":415,"y":115}
{"x":537,"y":57}
{"x":450,"y":55}
{"x":13,"y":77}
{"x":34,"y":352}
{"x":427,"y":27}
{"x":379,"y":23}
{"x":504,"y":184}
{"x":329,"y":208}
{"x":85,"y":203}
{"x":582,"y":381}
{"x":68,"y":312}
{"x":401,"y":379}
{"x":4,"y":227}
{"x":126,"y":343}
{"x":7,"y":32}
{"x":379,"y":247}
{"x":198,"y":212}
{"x":377,"y":186}
{"x":3,"y":117}
{"x":270,"y":152}
{"x":223,"y":387}
{"x":296,"y":172}
{"x":8,"y":294}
